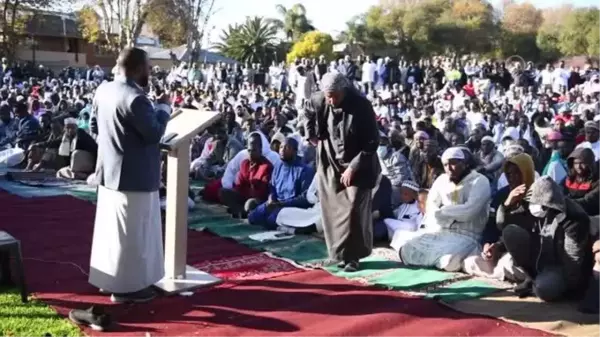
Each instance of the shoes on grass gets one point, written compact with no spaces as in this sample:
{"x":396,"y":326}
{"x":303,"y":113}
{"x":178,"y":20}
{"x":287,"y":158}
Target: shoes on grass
{"x":94,"y":317}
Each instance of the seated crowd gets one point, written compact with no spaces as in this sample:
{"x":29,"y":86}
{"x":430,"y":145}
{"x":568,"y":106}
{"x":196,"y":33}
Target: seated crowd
{"x":482,"y":175}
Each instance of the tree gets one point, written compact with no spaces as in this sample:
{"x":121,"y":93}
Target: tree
{"x":312,"y":45}
{"x":548,"y":35}
{"x":178,"y":22}
{"x":579,"y":31}
{"x":521,"y":18}
{"x":520,"y":24}
{"x":254,"y":41}
{"x":293,"y":21}
{"x":114,"y":23}
{"x":469,"y":25}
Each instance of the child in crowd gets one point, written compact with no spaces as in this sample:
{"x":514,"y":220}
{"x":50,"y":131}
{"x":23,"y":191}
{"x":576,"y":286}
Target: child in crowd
{"x":408,"y":216}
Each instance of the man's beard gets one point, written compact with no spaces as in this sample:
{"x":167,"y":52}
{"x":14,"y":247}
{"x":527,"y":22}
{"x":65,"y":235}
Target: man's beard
{"x":144,"y":81}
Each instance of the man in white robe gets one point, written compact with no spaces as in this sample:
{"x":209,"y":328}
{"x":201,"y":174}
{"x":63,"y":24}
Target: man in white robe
{"x":127,"y":246}
{"x":456,"y":213}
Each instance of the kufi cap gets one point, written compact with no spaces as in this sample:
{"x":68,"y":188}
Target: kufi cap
{"x":487,"y":139}
{"x":411,"y":185}
{"x":453,"y":153}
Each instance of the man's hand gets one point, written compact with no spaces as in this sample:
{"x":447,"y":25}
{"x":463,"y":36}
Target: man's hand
{"x":314,"y":141}
{"x":346,"y":178}
{"x":596,"y":247}
{"x":515,"y":195}
{"x":490,"y":251}
{"x":272,"y":204}
{"x":163,"y":98}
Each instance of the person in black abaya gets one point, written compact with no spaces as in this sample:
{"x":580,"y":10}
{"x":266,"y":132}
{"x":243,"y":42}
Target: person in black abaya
{"x":341,"y":122}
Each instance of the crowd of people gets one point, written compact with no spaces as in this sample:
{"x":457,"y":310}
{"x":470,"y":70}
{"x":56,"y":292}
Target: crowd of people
{"x":486,"y":168}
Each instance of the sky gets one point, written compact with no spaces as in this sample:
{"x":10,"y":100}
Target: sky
{"x":326,"y":15}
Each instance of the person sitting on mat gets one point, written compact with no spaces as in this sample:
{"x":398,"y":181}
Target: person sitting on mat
{"x":511,"y":208}
{"x":252,"y":183}
{"x":457,"y":211}
{"x":211,"y":192}
{"x":408,"y":216}
{"x":289,"y":183}
{"x":80,"y":148}
{"x":554,"y":253}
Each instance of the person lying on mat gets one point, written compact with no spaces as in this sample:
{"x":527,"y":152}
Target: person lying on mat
{"x":554,"y":254}
{"x":289,"y":182}
{"x":456,"y":213}
{"x":252,"y":182}
{"x":511,"y":208}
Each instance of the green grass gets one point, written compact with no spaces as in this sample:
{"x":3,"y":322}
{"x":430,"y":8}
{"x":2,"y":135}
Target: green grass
{"x":31,"y":319}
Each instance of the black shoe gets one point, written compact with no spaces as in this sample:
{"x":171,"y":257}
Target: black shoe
{"x":351,"y":267}
{"x":93,"y":317}
{"x":104,"y":292}
{"x":141,"y":296}
{"x":341,"y":264}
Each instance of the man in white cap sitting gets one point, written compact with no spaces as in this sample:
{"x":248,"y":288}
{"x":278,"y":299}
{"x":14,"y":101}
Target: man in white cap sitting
{"x":592,"y":136}
{"x":81,"y":150}
{"x":456,"y":214}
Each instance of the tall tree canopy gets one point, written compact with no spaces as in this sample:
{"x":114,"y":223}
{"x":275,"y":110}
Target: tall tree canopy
{"x":425,"y":27}
{"x":293,"y":21}
{"x":114,"y":23}
{"x":178,"y":22}
{"x":253,"y":41}
{"x":312,"y":45}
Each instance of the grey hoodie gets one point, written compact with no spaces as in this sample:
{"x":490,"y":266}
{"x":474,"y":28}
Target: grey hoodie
{"x":564,"y":231}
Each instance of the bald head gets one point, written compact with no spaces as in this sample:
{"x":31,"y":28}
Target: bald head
{"x":133,"y":63}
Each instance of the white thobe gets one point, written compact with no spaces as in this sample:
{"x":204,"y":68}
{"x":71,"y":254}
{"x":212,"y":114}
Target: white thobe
{"x":127,"y":246}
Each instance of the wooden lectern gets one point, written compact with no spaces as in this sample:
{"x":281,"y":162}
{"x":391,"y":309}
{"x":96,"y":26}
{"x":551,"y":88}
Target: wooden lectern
{"x":182,"y":127}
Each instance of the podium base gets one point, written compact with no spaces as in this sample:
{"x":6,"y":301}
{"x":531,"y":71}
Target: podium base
{"x":192,"y":279}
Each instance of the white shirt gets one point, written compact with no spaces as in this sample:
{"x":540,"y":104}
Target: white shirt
{"x":368,"y":72}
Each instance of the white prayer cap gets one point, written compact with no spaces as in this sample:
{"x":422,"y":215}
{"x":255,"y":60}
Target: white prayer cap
{"x":333,"y":81}
{"x":70,"y":121}
{"x":488,"y":139}
{"x":411,"y":185}
{"x":453,"y":153}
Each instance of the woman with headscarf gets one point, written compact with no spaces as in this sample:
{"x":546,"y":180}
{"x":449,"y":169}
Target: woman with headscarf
{"x":554,"y":253}
{"x":507,"y":207}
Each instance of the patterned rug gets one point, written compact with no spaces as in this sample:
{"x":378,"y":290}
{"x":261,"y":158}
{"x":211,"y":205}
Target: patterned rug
{"x":382,"y":268}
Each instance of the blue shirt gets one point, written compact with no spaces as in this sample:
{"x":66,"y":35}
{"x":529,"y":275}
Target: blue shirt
{"x":289,"y":183}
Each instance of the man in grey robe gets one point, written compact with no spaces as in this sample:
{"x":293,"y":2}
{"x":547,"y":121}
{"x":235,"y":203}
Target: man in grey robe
{"x":341,"y":122}
{"x":127,"y":251}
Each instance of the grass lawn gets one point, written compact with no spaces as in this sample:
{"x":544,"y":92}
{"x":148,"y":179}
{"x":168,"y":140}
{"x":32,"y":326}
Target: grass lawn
{"x":31,"y":319}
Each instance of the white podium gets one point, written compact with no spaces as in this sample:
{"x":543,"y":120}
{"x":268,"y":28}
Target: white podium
{"x":182,"y":127}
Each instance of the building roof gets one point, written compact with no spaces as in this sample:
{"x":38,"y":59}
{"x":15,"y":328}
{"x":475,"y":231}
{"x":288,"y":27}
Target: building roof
{"x":182,"y":53}
{"x":54,"y":25}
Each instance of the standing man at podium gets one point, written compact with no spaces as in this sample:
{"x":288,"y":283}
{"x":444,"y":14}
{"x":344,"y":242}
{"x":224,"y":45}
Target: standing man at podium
{"x":127,"y":247}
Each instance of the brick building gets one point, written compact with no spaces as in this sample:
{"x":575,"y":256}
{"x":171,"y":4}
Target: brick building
{"x":54,"y":40}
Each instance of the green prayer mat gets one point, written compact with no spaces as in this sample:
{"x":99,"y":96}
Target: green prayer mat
{"x":462,"y":290}
{"x":309,"y":250}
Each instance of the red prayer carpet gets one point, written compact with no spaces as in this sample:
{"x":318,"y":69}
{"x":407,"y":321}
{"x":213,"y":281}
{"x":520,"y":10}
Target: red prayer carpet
{"x":260,"y":296}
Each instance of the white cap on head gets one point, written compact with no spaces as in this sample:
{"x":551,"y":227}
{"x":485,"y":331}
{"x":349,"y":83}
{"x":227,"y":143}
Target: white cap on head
{"x":453,"y":153}
{"x":70,"y":121}
{"x":487,"y":139}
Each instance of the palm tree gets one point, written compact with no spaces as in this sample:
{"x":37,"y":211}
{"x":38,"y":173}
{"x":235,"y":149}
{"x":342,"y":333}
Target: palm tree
{"x":253,"y":41}
{"x":293,"y":21}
